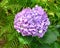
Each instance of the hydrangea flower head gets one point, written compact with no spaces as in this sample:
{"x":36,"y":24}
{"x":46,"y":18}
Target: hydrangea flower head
{"x":32,"y":21}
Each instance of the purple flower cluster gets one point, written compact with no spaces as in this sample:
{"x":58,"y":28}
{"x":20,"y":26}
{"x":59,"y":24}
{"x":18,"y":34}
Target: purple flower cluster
{"x":32,"y":21}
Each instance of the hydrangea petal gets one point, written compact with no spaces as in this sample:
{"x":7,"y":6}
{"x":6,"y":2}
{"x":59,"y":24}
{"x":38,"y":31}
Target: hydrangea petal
{"x":32,"y":22}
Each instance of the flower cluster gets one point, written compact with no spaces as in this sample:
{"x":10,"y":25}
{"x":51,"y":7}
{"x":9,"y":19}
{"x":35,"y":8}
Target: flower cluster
{"x":32,"y":21}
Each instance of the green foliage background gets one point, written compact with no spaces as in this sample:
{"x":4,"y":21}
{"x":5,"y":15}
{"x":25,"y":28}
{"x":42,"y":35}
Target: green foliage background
{"x":10,"y":38}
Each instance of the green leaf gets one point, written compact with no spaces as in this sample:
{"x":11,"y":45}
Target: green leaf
{"x":49,"y":37}
{"x":12,"y":43}
{"x":25,"y":40}
{"x":36,"y":44}
{"x":56,"y":45}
